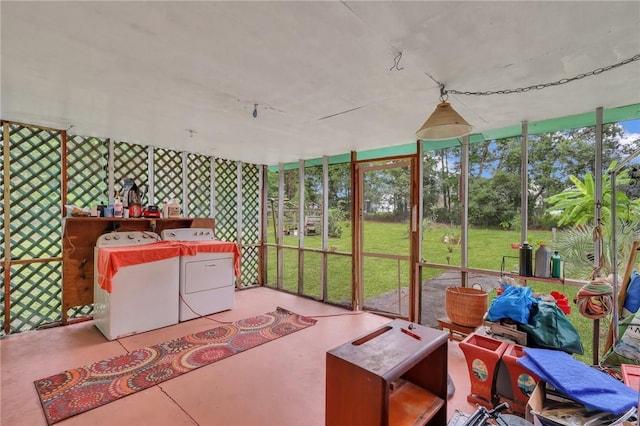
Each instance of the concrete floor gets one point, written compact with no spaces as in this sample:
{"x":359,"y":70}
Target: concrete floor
{"x":278,"y":383}
{"x":433,"y":296}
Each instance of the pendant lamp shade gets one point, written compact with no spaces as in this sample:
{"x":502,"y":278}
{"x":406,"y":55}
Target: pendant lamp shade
{"x":444,"y":123}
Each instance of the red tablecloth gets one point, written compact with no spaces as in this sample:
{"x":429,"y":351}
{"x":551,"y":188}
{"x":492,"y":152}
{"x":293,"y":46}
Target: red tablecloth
{"x":110,"y":259}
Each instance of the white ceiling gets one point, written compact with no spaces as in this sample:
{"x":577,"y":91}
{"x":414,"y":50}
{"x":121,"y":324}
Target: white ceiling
{"x":148,"y":72}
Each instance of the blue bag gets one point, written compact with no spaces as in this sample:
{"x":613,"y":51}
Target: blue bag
{"x":632,"y":300}
{"x":515,"y":303}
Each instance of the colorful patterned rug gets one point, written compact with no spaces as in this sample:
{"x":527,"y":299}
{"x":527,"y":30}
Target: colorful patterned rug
{"x":82,"y":389}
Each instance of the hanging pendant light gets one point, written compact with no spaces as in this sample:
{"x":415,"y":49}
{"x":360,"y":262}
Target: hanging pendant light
{"x":444,"y":122}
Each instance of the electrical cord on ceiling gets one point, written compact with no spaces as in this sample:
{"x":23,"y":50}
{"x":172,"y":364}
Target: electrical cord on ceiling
{"x":396,"y":62}
{"x":539,"y":86}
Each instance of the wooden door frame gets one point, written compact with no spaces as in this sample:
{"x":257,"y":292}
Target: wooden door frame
{"x":357,"y":188}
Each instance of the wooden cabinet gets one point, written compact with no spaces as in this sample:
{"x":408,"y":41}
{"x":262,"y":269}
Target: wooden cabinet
{"x":79,"y":239}
{"x":392,"y":376}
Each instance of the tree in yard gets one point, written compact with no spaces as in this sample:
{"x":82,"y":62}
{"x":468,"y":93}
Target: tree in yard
{"x":494,"y":201}
{"x":577,"y":204}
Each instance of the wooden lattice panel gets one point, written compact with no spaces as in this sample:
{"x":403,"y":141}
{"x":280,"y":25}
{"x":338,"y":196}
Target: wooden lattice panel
{"x":250,"y":223}
{"x":130,"y":161}
{"x":199,"y":185}
{"x":36,"y":295}
{"x":2,"y":147}
{"x":250,"y":204}
{"x":226,"y":194}
{"x":249,"y":261}
{"x":87,"y":183}
{"x":35,"y":192}
{"x":167,"y":175}
{"x":86,"y":170}
{"x":80,"y":311}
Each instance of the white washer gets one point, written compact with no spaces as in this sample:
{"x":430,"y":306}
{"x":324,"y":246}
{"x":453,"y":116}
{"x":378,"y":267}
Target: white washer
{"x":207,"y":283}
{"x":143,"y":296}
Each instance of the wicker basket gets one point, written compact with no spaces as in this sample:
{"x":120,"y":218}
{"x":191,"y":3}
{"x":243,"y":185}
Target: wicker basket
{"x":466,"y":306}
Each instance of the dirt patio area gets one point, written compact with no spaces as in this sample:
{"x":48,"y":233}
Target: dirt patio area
{"x":433,"y":296}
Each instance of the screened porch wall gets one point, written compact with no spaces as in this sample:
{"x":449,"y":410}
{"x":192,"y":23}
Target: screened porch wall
{"x":46,"y":169}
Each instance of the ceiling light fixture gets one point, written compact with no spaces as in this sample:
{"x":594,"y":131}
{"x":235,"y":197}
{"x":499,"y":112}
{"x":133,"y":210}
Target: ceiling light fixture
{"x":255,"y":110}
{"x":444,"y":122}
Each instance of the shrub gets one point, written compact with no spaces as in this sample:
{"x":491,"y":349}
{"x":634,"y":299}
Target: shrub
{"x":334,"y":219}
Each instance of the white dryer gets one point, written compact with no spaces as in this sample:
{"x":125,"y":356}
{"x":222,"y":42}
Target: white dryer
{"x":207,"y":272}
{"x":136,"y":279}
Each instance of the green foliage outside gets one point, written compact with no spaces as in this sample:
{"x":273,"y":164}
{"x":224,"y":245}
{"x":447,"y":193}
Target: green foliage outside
{"x":557,"y":198}
{"x":577,"y":202}
{"x":485,"y":252}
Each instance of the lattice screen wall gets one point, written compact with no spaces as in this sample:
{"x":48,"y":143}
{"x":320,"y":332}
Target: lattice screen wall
{"x":226,"y":195}
{"x":35,"y":227}
{"x":250,"y":224}
{"x":131,"y":161}
{"x":198,"y":185}
{"x":87,"y":183}
{"x":167,"y":169}
{"x":35,"y":158}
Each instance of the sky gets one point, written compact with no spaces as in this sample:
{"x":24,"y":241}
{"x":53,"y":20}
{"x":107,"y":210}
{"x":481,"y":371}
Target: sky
{"x":631,"y":131}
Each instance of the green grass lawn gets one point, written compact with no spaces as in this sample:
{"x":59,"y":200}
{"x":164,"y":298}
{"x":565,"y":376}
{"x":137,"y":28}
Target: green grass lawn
{"x":486,"y":250}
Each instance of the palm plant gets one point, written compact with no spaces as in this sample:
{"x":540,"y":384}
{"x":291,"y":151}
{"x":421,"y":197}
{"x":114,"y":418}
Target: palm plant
{"x":577,"y":246}
{"x":577,"y":203}
{"x":577,"y":206}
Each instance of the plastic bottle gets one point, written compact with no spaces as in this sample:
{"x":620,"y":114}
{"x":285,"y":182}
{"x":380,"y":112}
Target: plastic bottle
{"x":526,"y":260}
{"x":118,"y":207}
{"x":174,"y":208}
{"x":165,"y":209}
{"x":543,"y":261}
{"x":555,"y":264}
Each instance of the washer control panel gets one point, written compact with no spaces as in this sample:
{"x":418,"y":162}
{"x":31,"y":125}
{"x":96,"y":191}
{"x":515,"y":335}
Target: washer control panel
{"x":130,"y":238}
{"x":188,"y":234}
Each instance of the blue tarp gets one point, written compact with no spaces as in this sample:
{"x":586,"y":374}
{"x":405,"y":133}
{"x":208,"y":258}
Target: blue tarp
{"x":593,"y":388}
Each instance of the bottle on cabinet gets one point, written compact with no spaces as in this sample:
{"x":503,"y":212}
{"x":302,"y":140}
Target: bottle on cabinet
{"x":543,"y":261}
{"x":555,"y":264}
{"x":165,"y":208}
{"x":526,"y":260}
{"x":118,"y":207}
{"x":174,"y":208}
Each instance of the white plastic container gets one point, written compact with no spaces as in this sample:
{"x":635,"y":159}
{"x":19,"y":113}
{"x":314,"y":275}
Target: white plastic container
{"x":543,"y":261}
{"x":118,"y":207}
{"x":165,"y":209}
{"x":174,"y":208}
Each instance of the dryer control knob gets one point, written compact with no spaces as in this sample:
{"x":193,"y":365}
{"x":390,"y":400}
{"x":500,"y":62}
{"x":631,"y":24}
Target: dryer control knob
{"x":107,"y":238}
{"x":116,"y":237}
{"x":131,"y":236}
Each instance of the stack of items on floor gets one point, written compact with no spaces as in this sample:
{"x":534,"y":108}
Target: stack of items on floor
{"x":545,"y":386}
{"x":538,"y":322}
{"x":539,"y":378}
{"x":627,"y":349}
{"x":572,"y":393}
